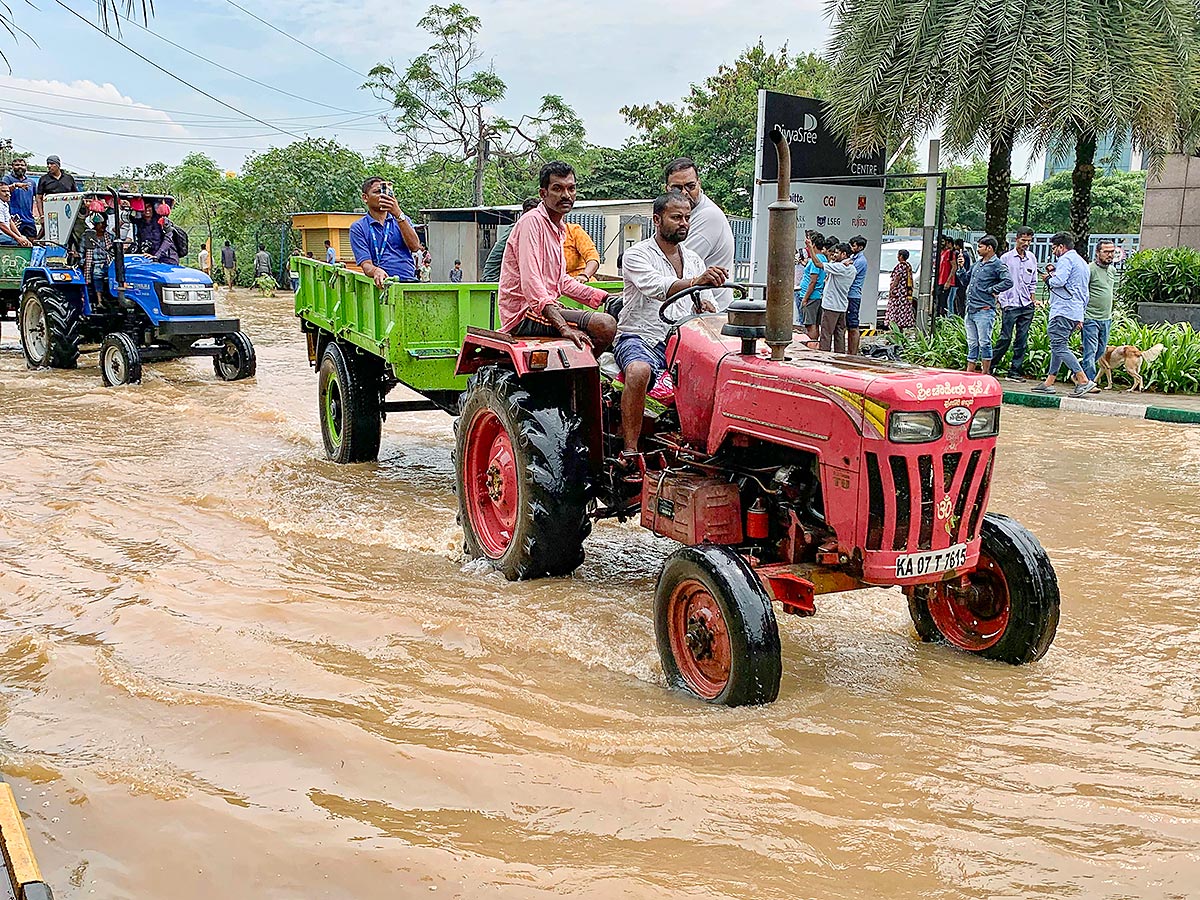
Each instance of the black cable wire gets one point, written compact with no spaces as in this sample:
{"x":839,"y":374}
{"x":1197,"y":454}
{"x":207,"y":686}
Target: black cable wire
{"x":262,"y":84}
{"x":171,"y":74}
{"x":297,"y":40}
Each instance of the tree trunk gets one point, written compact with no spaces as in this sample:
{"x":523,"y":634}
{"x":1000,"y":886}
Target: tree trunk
{"x":481,"y":157}
{"x":999,"y":187}
{"x":1082,"y":177}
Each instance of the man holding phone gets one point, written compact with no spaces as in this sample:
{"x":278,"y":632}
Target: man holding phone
{"x":384,"y":240}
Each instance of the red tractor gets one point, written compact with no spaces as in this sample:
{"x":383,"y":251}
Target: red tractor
{"x":785,"y":473}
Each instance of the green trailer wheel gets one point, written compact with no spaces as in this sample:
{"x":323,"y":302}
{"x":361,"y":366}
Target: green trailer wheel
{"x":349,"y":405}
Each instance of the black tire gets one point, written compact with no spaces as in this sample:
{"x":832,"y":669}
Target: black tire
{"x":50,"y":328}
{"x":237,"y":359}
{"x":544,"y":488}
{"x":349,"y":405}
{"x":1011,"y":612}
{"x":120,"y":361}
{"x":713,"y":586}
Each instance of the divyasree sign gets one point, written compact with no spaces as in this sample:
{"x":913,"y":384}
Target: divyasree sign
{"x":816,"y":152}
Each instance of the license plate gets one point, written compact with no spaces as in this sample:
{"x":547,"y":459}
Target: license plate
{"x":912,"y":565}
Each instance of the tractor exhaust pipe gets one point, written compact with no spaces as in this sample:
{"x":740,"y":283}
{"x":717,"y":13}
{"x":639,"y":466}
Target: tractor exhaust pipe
{"x":781,"y":254}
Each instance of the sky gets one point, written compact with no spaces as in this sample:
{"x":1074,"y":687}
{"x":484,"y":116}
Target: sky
{"x":71,"y":90}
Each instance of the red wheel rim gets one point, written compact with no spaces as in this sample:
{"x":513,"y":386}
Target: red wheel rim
{"x":974,"y":617}
{"x":699,"y":638}
{"x":490,"y":482}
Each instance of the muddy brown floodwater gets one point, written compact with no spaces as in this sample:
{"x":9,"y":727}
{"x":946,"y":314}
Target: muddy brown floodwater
{"x":231,"y":668}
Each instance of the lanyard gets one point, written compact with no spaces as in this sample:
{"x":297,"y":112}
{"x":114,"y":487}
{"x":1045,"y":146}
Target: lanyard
{"x":377,"y":247}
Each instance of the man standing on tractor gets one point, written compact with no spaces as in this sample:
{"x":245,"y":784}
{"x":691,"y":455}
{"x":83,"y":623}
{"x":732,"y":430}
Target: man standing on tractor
{"x":169,"y":246}
{"x":21,"y":204}
{"x":533,"y":274}
{"x":655,"y":269}
{"x":384,"y":240}
{"x":710,"y":236}
{"x":55,"y":181}
{"x":148,"y":231}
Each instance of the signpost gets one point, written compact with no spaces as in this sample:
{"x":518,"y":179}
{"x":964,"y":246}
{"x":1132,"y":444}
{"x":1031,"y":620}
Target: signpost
{"x":826,"y":204}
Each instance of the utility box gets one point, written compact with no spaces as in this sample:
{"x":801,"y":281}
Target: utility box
{"x":692,"y":509}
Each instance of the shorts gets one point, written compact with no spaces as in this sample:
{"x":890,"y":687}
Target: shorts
{"x":533,"y":325}
{"x":852,"y":312}
{"x":630,"y":349}
{"x":810,"y":312}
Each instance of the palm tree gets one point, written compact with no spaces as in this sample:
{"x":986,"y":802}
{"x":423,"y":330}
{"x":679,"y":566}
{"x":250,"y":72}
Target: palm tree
{"x":107,"y":11}
{"x":992,"y":72}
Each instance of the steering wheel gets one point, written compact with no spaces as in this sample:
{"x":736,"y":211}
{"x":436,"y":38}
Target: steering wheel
{"x":739,"y":291}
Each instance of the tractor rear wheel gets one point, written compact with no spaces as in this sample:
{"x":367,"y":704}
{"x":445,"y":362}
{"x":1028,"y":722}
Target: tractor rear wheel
{"x":348,"y":401}
{"x":50,"y":328}
{"x":120,"y":361}
{"x":716,"y":630}
{"x":523,"y":479}
{"x":1007,"y":610}
{"x":237,"y":360}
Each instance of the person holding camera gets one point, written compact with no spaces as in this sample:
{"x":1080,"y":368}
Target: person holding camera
{"x":384,"y":241}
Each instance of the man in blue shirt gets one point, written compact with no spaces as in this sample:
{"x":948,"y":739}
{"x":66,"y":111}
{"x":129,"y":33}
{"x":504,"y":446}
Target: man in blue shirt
{"x":21,"y":203}
{"x":330,"y":253}
{"x":810,"y":289}
{"x":858,"y":244}
{"x":1067,"y":279}
{"x":384,"y":241}
{"x":989,"y":279}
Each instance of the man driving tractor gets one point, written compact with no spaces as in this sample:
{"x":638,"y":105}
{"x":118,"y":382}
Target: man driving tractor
{"x":655,"y":269}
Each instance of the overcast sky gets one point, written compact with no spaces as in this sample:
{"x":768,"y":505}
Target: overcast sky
{"x":74,"y":92}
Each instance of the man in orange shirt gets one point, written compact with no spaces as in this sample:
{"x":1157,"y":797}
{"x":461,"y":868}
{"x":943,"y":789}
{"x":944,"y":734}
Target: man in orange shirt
{"x":579,"y":253}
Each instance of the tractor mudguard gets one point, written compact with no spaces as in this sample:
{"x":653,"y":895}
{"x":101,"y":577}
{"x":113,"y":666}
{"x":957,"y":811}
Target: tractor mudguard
{"x":553,"y":370}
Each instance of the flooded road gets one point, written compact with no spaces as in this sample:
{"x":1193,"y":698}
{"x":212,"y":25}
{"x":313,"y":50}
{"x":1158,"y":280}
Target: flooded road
{"x":231,"y":668}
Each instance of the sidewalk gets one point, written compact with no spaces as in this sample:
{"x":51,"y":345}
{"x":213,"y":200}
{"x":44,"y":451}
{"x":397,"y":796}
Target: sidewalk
{"x":1180,"y":408}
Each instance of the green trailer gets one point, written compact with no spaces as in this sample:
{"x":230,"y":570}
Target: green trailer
{"x":13,"y":262}
{"x":363,"y":341}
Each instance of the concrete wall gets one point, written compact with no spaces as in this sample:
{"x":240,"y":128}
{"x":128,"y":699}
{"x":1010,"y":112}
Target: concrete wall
{"x":1171,"y":215}
{"x":448,"y":241}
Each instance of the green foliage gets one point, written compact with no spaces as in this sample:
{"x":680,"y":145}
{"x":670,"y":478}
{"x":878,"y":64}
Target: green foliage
{"x":444,"y":110}
{"x":1116,"y":206}
{"x":1175,"y":371}
{"x":1166,"y":275}
{"x":265,"y":285}
{"x":715,"y":123}
{"x":313,"y":174}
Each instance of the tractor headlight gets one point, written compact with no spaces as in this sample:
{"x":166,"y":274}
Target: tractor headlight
{"x":986,"y":423}
{"x":188,"y":295}
{"x":914,"y":427}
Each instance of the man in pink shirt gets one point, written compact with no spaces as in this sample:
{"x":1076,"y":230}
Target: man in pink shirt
{"x":533,"y":274}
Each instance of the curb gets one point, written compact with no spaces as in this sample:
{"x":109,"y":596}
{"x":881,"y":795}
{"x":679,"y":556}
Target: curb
{"x":1099,"y":407}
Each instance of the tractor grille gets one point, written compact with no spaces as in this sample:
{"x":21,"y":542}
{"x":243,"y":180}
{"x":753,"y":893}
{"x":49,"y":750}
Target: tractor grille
{"x":905,"y":496}
{"x":188,"y":309}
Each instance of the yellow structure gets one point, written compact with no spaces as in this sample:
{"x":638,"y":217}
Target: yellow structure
{"x":318,"y":227}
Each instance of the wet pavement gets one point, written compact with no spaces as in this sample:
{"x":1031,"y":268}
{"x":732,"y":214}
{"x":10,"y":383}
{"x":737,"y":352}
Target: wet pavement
{"x":228,"y":666}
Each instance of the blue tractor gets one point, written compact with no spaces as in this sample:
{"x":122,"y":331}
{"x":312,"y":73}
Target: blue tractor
{"x":148,"y":311}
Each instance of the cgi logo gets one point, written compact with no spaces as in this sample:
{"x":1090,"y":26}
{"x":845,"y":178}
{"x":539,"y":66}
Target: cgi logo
{"x":859,"y":222}
{"x":862,"y":202}
{"x":829,"y":201}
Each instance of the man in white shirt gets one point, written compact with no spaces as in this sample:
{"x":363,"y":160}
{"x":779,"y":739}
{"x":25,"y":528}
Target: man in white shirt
{"x":9,"y":231}
{"x":709,"y":235}
{"x":204,"y":261}
{"x":655,"y":269}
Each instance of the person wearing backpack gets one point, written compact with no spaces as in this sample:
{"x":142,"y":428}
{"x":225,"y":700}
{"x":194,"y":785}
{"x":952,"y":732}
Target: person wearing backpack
{"x":174,"y":241}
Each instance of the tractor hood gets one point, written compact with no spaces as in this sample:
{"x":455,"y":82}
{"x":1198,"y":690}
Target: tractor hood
{"x":144,"y":270}
{"x":810,"y":396}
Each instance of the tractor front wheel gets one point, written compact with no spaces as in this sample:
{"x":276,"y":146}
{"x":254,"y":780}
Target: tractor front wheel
{"x":522,"y":478}
{"x":1006,"y":609}
{"x":120,"y":361}
{"x":236,"y":360}
{"x":716,"y":630}
{"x":49,"y":326}
{"x":348,"y":399}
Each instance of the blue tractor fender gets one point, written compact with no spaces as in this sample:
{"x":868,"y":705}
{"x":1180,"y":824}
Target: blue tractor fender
{"x":67,"y":282}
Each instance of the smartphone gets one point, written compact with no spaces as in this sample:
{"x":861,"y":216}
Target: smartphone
{"x":386,"y":189}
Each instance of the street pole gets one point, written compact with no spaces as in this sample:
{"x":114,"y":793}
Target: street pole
{"x":929,"y":241}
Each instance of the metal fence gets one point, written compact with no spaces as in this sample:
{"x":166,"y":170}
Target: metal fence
{"x":1043,"y":253}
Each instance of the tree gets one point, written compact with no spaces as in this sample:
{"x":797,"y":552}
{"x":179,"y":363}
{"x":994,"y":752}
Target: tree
{"x":316,"y":173}
{"x":715,"y":123}
{"x":106,"y":11}
{"x":990,"y":72}
{"x":1115,"y":207}
{"x":197,"y":180}
{"x":443,"y":102}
